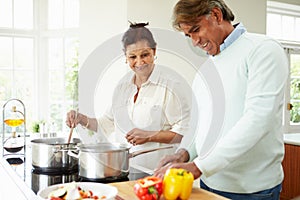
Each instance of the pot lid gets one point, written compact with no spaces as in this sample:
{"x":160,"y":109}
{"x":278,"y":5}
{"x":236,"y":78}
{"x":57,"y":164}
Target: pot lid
{"x":55,"y":141}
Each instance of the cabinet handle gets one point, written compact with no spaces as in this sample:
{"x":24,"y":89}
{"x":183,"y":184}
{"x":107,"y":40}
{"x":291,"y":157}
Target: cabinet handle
{"x":289,"y":106}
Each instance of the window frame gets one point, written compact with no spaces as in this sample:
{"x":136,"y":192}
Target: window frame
{"x":40,"y":35}
{"x":291,"y":47}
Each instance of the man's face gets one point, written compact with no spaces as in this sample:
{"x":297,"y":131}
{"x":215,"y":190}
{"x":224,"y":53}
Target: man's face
{"x":206,"y":33}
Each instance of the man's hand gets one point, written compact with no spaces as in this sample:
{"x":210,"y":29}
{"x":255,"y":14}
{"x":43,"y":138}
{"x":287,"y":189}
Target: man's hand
{"x":181,"y":156}
{"x":190,"y":166}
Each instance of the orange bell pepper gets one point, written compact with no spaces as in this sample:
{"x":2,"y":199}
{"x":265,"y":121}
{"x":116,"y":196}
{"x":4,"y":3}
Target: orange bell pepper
{"x":177,"y":183}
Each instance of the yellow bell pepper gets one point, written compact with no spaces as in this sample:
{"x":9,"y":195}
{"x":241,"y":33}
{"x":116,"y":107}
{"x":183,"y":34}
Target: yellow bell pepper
{"x":177,"y":183}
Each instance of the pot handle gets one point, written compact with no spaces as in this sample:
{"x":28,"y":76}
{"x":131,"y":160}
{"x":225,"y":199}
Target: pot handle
{"x":74,"y":154}
{"x":136,"y":153}
{"x":61,"y":149}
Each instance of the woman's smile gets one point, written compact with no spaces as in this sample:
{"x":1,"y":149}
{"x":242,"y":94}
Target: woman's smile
{"x":142,"y":67}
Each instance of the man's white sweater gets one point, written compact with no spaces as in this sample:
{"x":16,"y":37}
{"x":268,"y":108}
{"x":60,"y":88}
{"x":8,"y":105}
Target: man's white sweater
{"x":247,"y":156}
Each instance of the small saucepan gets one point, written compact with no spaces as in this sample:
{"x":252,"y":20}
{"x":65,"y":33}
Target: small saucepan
{"x":50,"y":154}
{"x":103,"y":160}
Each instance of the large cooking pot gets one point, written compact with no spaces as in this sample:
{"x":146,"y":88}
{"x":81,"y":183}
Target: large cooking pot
{"x":51,"y":155}
{"x":103,"y":160}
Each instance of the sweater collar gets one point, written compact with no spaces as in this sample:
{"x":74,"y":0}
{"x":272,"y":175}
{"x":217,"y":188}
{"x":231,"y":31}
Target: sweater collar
{"x":239,"y":29}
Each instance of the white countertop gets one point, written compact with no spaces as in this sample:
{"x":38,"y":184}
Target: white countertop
{"x":292,"y":138}
{"x":12,"y":186}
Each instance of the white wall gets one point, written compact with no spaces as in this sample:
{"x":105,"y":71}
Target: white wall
{"x":157,"y":12}
{"x":251,"y":13}
{"x":101,"y":20}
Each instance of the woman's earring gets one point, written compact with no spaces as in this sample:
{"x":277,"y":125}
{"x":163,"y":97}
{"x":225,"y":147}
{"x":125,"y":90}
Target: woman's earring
{"x":126,"y":61}
{"x":155,"y":57}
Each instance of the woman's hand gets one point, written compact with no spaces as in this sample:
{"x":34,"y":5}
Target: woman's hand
{"x":72,"y":119}
{"x":138,"y":136}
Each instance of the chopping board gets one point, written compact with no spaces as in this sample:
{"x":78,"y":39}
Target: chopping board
{"x":125,"y":192}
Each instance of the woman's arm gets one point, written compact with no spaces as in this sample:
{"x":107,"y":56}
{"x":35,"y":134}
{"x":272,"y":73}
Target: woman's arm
{"x":169,"y":137}
{"x":74,"y":119}
{"x":89,"y":123}
{"x":138,"y":136}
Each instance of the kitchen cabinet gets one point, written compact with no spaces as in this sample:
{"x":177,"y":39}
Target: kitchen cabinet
{"x":291,"y":167}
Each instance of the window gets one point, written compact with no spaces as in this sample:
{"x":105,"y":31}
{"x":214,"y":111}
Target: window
{"x":39,"y":57}
{"x":283,"y":23}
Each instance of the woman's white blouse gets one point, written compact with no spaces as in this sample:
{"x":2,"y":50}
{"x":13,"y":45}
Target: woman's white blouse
{"x":163,"y":103}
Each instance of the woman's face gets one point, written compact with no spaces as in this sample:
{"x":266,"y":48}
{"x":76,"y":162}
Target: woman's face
{"x":140,"y":57}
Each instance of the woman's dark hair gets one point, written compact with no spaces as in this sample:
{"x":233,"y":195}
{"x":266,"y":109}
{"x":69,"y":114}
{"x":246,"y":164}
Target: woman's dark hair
{"x":189,"y":11}
{"x":138,"y":32}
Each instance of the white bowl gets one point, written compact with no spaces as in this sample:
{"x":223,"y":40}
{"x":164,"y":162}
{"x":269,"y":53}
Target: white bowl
{"x":98,"y":189}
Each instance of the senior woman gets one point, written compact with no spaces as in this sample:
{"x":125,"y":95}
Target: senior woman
{"x":150,"y":105}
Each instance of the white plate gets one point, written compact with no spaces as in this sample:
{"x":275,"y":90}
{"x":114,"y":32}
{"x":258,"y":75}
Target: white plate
{"x":98,"y":189}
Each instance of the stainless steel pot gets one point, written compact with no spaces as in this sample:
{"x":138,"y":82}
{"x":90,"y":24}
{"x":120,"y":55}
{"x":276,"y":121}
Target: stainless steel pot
{"x":103,"y":160}
{"x":51,"y":154}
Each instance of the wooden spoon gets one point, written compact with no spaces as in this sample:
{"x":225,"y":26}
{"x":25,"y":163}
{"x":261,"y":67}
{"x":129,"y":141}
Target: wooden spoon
{"x":70,"y":134}
{"x":71,"y":130}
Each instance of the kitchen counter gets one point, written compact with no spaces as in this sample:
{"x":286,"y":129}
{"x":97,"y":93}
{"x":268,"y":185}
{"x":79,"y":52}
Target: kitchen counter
{"x":15,"y":186}
{"x":292,"y":138}
{"x":125,"y":191}
{"x":12,"y":186}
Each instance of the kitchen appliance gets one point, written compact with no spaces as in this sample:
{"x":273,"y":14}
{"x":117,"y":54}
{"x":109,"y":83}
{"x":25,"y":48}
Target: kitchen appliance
{"x":51,"y":155}
{"x":42,"y":180}
{"x":106,"y":160}
{"x":37,"y":179}
{"x":14,"y":131}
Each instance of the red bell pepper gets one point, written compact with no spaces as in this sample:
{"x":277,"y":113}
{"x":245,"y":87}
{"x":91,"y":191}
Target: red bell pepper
{"x":148,"y":188}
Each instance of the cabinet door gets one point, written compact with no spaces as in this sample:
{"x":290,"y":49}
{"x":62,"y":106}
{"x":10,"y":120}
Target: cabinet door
{"x":291,"y":167}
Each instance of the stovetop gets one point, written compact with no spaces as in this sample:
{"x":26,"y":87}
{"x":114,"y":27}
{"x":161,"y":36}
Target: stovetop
{"x":37,"y":180}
